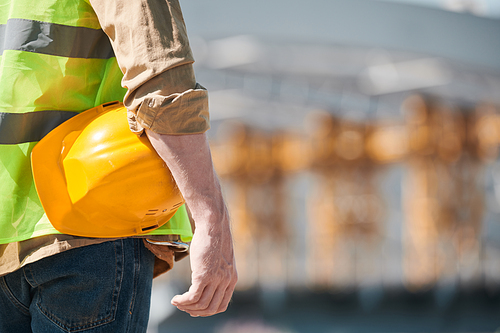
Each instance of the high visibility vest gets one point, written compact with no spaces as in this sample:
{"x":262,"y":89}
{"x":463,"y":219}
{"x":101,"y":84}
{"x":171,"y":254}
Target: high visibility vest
{"x":55,"y":61}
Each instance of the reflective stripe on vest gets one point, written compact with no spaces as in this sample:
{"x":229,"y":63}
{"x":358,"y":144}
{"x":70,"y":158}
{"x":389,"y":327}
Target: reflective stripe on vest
{"x":39,"y":37}
{"x":18,"y":128}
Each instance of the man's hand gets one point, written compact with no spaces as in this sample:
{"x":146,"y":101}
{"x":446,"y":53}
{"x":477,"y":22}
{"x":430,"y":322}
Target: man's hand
{"x":213,"y":267}
{"x":213,"y":274}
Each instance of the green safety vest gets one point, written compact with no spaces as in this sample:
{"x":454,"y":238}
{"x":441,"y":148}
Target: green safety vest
{"x":55,"y":61}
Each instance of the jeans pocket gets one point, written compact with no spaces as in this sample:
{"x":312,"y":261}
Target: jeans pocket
{"x":81,"y":291}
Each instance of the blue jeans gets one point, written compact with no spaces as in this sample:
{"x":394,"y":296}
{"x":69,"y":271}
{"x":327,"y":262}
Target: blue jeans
{"x":92,"y":289}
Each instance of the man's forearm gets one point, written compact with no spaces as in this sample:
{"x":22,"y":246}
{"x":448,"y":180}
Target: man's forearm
{"x":214,"y":276}
{"x":188,"y":158}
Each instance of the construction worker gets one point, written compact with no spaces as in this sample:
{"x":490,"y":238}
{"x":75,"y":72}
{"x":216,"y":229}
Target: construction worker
{"x":59,"y":58}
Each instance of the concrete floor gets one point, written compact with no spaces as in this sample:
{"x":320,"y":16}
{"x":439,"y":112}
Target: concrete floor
{"x":383,"y":311}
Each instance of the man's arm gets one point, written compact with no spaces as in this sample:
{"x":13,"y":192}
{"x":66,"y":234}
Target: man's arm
{"x":212,"y":259}
{"x":151,"y":45}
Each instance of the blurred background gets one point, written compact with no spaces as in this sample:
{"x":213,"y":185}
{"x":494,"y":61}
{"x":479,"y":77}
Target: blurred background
{"x":357,"y":142}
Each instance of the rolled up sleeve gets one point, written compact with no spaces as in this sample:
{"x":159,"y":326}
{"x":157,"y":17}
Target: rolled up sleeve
{"x":150,"y":42}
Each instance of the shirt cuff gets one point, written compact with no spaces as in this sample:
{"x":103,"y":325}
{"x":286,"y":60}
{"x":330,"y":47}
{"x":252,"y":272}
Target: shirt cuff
{"x":176,"y":114}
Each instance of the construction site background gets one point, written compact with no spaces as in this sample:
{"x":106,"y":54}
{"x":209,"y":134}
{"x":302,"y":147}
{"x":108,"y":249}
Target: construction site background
{"x":357,"y":142}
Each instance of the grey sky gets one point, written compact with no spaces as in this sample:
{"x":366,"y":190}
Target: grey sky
{"x":490,"y":8}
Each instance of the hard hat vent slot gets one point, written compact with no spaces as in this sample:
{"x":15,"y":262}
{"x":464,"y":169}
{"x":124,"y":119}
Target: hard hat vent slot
{"x":177,"y":205}
{"x":149,"y":228}
{"x":152,"y":212}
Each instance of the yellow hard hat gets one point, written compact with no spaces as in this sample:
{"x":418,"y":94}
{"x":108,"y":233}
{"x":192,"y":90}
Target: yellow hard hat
{"x":95,"y":178}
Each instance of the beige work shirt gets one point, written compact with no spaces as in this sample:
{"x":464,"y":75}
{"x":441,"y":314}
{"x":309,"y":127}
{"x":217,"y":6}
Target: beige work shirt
{"x":150,"y":42}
